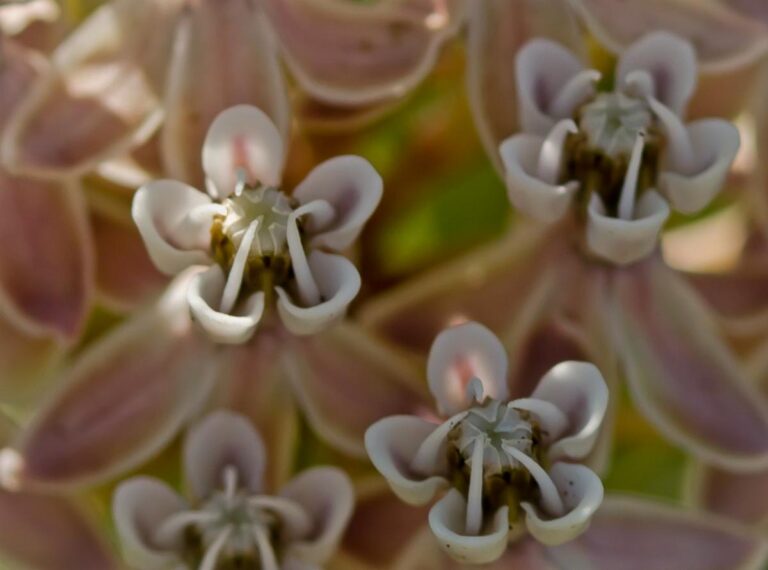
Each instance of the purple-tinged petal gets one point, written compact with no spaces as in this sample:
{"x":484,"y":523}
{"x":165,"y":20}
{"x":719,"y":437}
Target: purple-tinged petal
{"x":46,"y":264}
{"x":99,"y":98}
{"x":357,"y":54}
{"x":739,"y":496}
{"x":680,"y":372}
{"x":497,"y":30}
{"x":461,"y":355}
{"x":40,"y":532}
{"x":392,"y":444}
{"x":174,"y":221}
{"x":124,"y":398}
{"x":227,"y":43}
{"x":125,"y":275}
{"x":633,"y":534}
{"x":729,"y":48}
{"x":345,"y":380}
{"x":220,"y":440}
{"x":140,"y":505}
{"x":352,"y":187}
{"x":242,"y":142}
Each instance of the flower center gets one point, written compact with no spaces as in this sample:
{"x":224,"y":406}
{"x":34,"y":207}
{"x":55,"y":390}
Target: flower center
{"x":256,"y":222}
{"x":495,"y":445}
{"x":612,"y":122}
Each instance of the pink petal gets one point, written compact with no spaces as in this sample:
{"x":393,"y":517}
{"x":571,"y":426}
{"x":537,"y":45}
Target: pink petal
{"x":50,"y":533}
{"x":357,"y":54}
{"x":739,"y":496}
{"x":345,"y":380}
{"x":729,"y":47}
{"x":128,"y":278}
{"x":100,"y":95}
{"x":497,"y":30}
{"x":227,"y":43}
{"x":682,"y":375}
{"x":46,"y":264}
{"x":633,"y":534}
{"x":122,"y":400}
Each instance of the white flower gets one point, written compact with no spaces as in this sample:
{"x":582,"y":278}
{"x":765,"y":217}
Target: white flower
{"x":501,"y":460}
{"x":229,"y":521}
{"x":260,"y":243}
{"x":621,"y":155}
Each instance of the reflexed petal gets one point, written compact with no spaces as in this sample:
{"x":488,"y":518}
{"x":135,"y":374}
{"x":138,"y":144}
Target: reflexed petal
{"x":581,"y":492}
{"x":669,"y":60}
{"x":122,"y":400}
{"x":715,"y":144}
{"x":447,"y":519}
{"x":175,"y":221}
{"x":497,"y":30}
{"x":50,"y":533}
{"x":527,"y":192}
{"x":633,"y":534}
{"x":220,"y":440}
{"x":327,"y":497}
{"x":140,"y":506}
{"x":20,"y":69}
{"x":579,"y":391}
{"x":227,"y":43}
{"x":100,"y":96}
{"x":338,"y":282}
{"x":242,"y":139}
{"x":626,"y":241}
{"x":739,"y":496}
{"x":392,"y":444}
{"x":345,"y":380}
{"x":46,"y":262}
{"x":357,"y":54}
{"x":123,"y":281}
{"x":458,"y":356}
{"x":682,"y":375}
{"x":729,"y":48}
{"x":204,"y":296}
{"x":352,"y":187}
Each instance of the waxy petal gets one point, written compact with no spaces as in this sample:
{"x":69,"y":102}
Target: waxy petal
{"x":174,"y":221}
{"x":338,"y":283}
{"x":682,"y":375}
{"x":633,"y":534}
{"x":447,"y":519}
{"x":100,"y":96}
{"x":497,"y":30}
{"x":729,"y":48}
{"x":227,"y":42}
{"x":626,"y":241}
{"x":40,"y":532}
{"x":739,"y":496}
{"x":715,"y":144}
{"x":122,"y":400}
{"x":327,"y":496}
{"x":358,"y":54}
{"x":46,"y":264}
{"x":242,"y":141}
{"x":345,"y":380}
{"x":460,"y":355}
{"x":579,"y":391}
{"x":352,"y":187}
{"x":220,"y":440}
{"x":669,"y":61}
{"x":392,"y":444}
{"x":140,"y":505}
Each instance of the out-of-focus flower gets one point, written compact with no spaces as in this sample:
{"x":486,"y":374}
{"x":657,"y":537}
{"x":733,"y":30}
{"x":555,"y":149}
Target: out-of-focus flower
{"x":231,"y":518}
{"x":131,"y":391}
{"x":110,"y":88}
{"x":544,"y":287}
{"x":254,"y":236}
{"x":504,"y":459}
{"x":16,"y":16}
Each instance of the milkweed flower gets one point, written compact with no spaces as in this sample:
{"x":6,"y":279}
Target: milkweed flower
{"x":503,"y":459}
{"x":230,"y":517}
